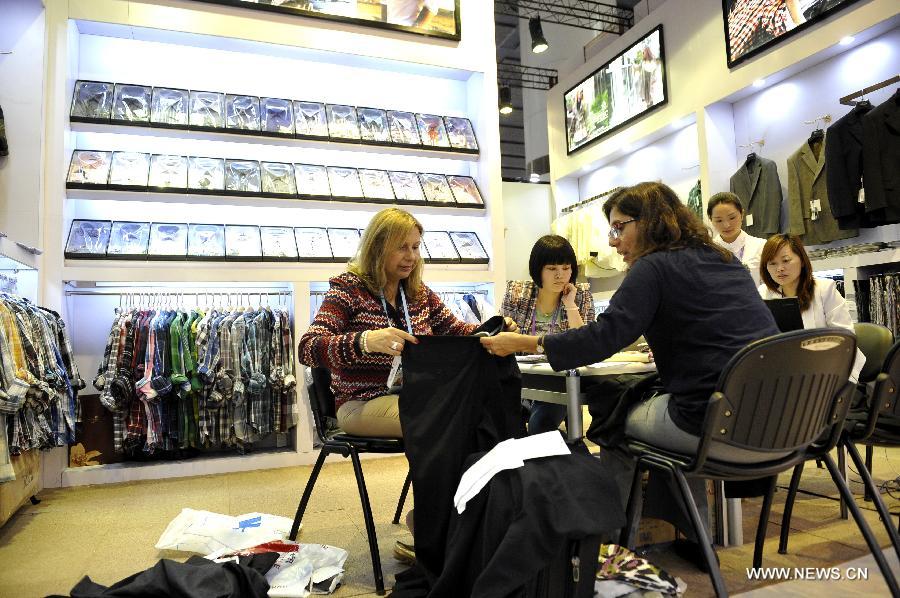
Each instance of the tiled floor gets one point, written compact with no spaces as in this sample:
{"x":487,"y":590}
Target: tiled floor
{"x":108,"y":532}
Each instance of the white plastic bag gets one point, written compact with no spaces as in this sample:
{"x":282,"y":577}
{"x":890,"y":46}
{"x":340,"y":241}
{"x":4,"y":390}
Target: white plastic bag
{"x":315,"y":567}
{"x":204,"y":532}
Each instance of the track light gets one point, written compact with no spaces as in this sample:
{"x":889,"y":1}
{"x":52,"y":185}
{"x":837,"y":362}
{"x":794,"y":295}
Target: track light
{"x":538,"y":41}
{"x":505,"y":103}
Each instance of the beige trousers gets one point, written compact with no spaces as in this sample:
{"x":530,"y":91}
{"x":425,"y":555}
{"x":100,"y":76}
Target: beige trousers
{"x":378,"y":417}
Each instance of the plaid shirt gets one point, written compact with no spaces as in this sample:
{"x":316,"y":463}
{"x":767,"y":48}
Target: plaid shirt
{"x":753,"y":22}
{"x":520,"y":304}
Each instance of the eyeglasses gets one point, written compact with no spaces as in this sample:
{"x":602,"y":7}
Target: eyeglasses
{"x":615,"y":229}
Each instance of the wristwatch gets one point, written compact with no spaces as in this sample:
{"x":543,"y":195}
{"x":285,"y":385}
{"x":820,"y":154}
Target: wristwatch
{"x":540,"y":345}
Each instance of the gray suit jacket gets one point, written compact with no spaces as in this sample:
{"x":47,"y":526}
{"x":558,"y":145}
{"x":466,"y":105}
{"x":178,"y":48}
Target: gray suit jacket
{"x":758,"y":187}
{"x":807,"y":182}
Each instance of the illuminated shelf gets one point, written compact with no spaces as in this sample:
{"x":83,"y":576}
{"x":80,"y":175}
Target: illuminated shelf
{"x":860,"y":260}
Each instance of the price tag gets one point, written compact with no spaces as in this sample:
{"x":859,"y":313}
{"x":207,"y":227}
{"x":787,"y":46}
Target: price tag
{"x":749,"y":219}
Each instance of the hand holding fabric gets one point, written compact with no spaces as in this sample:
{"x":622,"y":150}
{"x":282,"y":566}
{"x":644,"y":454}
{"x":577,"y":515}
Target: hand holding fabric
{"x":388,"y":340}
{"x":507,"y":343}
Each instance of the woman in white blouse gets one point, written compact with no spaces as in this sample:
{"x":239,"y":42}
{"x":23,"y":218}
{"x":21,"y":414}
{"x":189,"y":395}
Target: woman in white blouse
{"x":727,"y":214}
{"x":787,"y":272}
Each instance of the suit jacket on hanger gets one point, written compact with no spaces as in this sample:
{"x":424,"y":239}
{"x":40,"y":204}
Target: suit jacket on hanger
{"x":756,"y":184}
{"x":843,"y":165}
{"x":881,"y":159}
{"x":806,"y":183}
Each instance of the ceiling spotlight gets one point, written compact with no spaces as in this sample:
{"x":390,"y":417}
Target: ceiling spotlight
{"x":759,"y":83}
{"x":505,"y":103}
{"x":538,"y":41}
{"x":847,"y":40}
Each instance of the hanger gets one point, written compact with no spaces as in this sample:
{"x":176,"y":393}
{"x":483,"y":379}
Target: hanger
{"x":817,"y":135}
{"x":751,"y":157}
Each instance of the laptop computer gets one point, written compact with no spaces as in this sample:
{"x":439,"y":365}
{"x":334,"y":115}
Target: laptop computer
{"x":786,"y":312}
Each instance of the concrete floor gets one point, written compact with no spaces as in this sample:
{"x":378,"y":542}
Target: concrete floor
{"x":108,"y":532}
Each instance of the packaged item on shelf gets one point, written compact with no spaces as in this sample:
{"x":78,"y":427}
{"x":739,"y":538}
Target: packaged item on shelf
{"x":88,"y":168}
{"x":277,"y":116}
{"x":206,"y":241}
{"x":88,"y":239}
{"x":440,"y":246}
{"x":376,"y":185}
{"x":92,"y":101}
{"x":169,"y":107}
{"x":312,"y":181}
{"x":403,"y":128}
{"x":242,"y":176}
{"x":242,"y":112}
{"x":460,"y":133}
{"x":278,"y":244}
{"x":373,"y":125}
{"x":206,"y":174}
{"x":168,"y":173}
{"x":344,"y":242}
{"x":131,"y":103}
{"x":168,"y":240}
{"x":432,"y":131}
{"x":344,"y":182}
{"x":465,"y":191}
{"x":309,"y":119}
{"x":469,"y":247}
{"x":342,"y":122}
{"x":407,"y":187}
{"x":278,"y":179}
{"x":207,"y":110}
{"x":242,"y":243}
{"x":437,"y":190}
{"x":129,"y":170}
{"x":313,"y":244}
{"x":129,"y":240}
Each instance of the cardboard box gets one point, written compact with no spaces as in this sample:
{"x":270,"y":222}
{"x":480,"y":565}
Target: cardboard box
{"x":654,"y":531}
{"x":15,"y":493}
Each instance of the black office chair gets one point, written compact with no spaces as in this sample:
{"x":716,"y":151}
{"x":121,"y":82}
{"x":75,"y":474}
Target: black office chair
{"x":879,"y":425}
{"x":321,"y":401}
{"x":778,"y":396}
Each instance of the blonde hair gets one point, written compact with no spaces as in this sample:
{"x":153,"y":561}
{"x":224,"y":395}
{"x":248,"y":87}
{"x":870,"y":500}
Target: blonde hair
{"x":386,"y":232}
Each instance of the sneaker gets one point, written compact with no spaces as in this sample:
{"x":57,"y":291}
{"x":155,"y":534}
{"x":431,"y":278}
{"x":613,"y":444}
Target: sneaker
{"x":405,"y":553}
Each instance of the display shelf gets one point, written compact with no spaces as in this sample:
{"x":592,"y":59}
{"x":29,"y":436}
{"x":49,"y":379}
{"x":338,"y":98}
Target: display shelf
{"x":244,"y":137}
{"x":16,"y":257}
{"x":197,"y":272}
{"x":873,"y":258}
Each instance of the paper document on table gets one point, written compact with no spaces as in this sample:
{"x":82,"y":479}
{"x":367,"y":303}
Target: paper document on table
{"x":630,"y":356}
{"x":531,"y":358}
{"x":508,"y":454}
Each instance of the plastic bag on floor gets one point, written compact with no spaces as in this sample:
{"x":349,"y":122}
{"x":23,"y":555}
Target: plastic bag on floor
{"x":204,"y":532}
{"x":301,"y":569}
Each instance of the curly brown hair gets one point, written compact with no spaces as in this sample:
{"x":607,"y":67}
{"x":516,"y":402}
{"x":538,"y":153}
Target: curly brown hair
{"x":664,"y":223}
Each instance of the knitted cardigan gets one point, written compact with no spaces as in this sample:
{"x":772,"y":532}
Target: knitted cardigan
{"x":348,"y":309}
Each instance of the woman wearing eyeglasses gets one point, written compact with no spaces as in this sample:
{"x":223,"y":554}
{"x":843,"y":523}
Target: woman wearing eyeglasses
{"x":727,"y":215}
{"x":692,"y":301}
{"x":550,"y":302}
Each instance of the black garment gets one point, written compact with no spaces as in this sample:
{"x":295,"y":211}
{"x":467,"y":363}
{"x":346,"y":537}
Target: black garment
{"x":197,"y":578}
{"x":4,"y":146}
{"x":844,"y":170}
{"x":456,"y":400}
{"x":696,"y":312}
{"x":519,"y":522}
{"x":881,"y":159}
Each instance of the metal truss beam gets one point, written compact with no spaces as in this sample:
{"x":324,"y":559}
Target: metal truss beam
{"x":529,"y":77}
{"x":583,"y":14}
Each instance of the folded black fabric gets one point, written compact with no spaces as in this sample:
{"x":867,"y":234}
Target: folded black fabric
{"x":197,"y":578}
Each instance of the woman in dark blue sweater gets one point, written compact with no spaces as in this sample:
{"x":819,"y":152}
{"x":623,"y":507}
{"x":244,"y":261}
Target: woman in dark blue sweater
{"x":695,"y":305}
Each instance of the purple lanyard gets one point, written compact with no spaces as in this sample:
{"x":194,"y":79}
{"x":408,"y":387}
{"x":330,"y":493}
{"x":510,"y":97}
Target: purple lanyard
{"x":552,"y":321}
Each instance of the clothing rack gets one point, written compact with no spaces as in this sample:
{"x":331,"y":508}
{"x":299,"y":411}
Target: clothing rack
{"x":585,"y":202}
{"x":825,"y":118}
{"x":176,"y":298}
{"x":8,"y":284}
{"x":850,"y":99}
{"x":437,"y":291}
{"x":691,"y":167}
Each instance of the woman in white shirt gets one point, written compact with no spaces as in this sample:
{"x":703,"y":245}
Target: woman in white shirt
{"x":787,"y":272}
{"x":726,"y":214}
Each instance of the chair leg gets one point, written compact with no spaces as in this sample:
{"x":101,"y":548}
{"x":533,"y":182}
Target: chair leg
{"x":403,"y":494}
{"x":370,"y":524}
{"x":763,"y":524}
{"x":863,"y":526}
{"x":789,"y":508}
{"x":633,"y":511}
{"x":842,"y":467}
{"x":307,"y":492}
{"x":870,"y":453}
{"x":876,"y":497}
{"x":709,"y":554}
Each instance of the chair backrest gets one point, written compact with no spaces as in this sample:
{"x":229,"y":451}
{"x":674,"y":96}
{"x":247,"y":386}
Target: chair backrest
{"x":321,"y":399}
{"x":780,"y":393}
{"x":887,"y":384}
{"x":874,"y":341}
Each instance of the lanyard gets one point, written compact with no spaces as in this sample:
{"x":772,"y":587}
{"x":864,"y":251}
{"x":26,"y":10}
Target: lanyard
{"x":405,"y":310}
{"x":552,"y":321}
